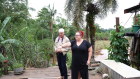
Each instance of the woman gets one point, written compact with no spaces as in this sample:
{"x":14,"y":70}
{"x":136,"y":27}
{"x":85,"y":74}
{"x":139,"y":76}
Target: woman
{"x":81,"y":55}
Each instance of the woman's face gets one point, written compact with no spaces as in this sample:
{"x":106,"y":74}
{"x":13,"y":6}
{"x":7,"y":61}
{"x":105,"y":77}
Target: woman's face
{"x":77,"y":36}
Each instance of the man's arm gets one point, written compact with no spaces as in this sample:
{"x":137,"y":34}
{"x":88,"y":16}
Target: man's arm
{"x":67,"y":44}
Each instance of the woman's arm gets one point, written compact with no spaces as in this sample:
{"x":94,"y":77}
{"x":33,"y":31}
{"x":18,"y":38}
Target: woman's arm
{"x":89,"y":55}
{"x":65,"y":45}
{"x":68,"y":44}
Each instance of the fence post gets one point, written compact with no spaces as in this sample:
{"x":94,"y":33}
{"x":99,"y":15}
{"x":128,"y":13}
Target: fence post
{"x":117,"y":24}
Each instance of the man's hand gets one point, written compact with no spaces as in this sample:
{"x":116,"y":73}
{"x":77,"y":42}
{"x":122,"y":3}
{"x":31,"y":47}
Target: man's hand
{"x":58,"y":50}
{"x":60,"y":47}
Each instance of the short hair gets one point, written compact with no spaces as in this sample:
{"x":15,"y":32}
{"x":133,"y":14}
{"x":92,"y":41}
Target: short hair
{"x":61,"y":30}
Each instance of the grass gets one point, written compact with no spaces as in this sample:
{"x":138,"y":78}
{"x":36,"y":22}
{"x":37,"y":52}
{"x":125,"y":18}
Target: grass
{"x":101,"y":44}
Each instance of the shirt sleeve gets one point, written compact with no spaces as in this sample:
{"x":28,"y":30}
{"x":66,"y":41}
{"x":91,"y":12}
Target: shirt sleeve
{"x":66,"y":49}
{"x":67,"y":40}
{"x":88,"y":44}
{"x":72,"y":42}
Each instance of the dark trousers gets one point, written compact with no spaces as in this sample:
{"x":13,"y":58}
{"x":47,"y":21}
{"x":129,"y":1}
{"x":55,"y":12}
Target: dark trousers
{"x":62,"y":64}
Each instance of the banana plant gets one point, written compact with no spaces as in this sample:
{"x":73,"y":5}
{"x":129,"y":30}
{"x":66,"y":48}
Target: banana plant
{"x":3,"y":25}
{"x":11,"y":41}
{"x":4,"y":42}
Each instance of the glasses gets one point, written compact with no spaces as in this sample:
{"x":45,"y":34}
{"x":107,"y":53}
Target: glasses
{"x":77,"y":35}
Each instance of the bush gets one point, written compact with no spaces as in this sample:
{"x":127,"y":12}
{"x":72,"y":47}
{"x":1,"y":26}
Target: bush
{"x":17,"y":65}
{"x":2,"y":58}
{"x":69,"y":59}
{"x":118,"y":46}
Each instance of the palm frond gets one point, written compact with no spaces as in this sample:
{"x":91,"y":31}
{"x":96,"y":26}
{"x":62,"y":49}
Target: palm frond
{"x":11,"y":41}
{"x":114,"y":6}
{"x":74,"y":10}
{"x":106,"y":6}
{"x":69,"y":7}
{"x":4,"y":24}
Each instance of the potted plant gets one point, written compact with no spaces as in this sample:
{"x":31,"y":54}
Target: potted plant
{"x":136,"y":25}
{"x":18,"y":68}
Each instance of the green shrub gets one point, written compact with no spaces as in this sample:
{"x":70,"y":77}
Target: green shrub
{"x":2,"y":58}
{"x":17,"y":65}
{"x":118,"y":46}
{"x":69,"y":59}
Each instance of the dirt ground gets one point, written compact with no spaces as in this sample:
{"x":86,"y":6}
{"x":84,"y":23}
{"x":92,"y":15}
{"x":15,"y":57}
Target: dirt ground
{"x":43,"y":73}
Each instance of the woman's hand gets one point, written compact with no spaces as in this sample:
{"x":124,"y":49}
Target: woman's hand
{"x":88,"y":62}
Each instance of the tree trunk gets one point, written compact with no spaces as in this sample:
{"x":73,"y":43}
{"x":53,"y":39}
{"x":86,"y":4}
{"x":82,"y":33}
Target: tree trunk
{"x":87,"y":33}
{"x":51,"y":30}
{"x":75,"y":23}
{"x":90,"y":23}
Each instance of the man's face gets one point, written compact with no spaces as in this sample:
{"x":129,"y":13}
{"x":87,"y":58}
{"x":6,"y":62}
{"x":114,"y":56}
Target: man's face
{"x":61,"y":34}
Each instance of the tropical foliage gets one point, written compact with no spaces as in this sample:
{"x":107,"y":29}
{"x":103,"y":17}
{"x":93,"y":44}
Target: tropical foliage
{"x":25,"y":40}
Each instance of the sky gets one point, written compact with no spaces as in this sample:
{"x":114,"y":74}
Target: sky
{"x":106,"y":23}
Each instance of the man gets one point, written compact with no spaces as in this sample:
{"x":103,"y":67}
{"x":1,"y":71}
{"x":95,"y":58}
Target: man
{"x":61,"y":53}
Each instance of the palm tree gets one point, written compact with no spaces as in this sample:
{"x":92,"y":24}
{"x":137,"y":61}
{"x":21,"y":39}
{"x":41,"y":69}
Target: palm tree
{"x":46,"y":16}
{"x":75,"y":10}
{"x":52,"y":11}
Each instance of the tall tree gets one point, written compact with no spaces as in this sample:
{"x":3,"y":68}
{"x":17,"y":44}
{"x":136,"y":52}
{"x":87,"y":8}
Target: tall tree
{"x":46,"y":17}
{"x":100,"y":8}
{"x":16,"y":8}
